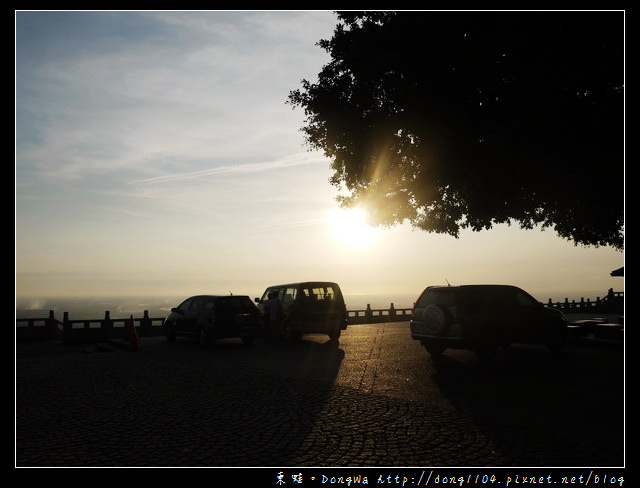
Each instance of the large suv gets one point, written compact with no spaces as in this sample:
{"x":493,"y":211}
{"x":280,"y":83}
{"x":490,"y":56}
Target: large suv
{"x":482,"y":317}
{"x":310,"y":307}
{"x":211,"y":317}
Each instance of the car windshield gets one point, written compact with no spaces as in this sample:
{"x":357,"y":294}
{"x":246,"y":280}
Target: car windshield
{"x":437,"y":296}
{"x":234,"y":303}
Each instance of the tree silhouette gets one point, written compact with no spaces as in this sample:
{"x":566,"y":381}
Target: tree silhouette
{"x":453,"y":120}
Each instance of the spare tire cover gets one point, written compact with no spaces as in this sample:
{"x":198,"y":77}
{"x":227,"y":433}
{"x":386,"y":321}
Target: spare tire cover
{"x":434,"y":319}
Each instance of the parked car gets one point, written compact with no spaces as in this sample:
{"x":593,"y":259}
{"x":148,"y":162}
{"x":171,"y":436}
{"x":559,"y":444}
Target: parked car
{"x":212,"y":317}
{"x":311,"y":307}
{"x":482,"y":317}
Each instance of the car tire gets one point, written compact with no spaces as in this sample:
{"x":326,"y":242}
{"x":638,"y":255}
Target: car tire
{"x":290,"y":333}
{"x":435,"y":319}
{"x":486,"y":348}
{"x":557,"y":339}
{"x":169,"y":332}
{"x":334,"y":335}
{"x":433,"y":349}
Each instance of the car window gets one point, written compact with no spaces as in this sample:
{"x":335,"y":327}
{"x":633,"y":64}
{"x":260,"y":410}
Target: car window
{"x":475,"y":299}
{"x":524,"y":299}
{"x":197,"y":304}
{"x":290,"y":294}
{"x":244,"y":303}
{"x":325,"y":293}
{"x":265,"y":295}
{"x":186,"y":304}
{"x":501,"y":297}
{"x":437,"y":296}
{"x":234,"y":304}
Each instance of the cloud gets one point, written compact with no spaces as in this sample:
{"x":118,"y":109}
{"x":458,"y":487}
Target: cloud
{"x":294,"y":160}
{"x":192,"y":87}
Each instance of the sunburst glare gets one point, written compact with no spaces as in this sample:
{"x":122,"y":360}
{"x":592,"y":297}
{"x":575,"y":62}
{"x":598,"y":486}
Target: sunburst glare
{"x":351,"y":228}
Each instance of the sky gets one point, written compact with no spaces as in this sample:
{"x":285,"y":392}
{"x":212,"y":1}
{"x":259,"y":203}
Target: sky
{"x":155,"y":154}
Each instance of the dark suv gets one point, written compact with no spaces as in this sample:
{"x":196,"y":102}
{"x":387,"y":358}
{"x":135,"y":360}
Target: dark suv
{"x":482,"y":317}
{"x":211,"y":317}
{"x":310,"y":307}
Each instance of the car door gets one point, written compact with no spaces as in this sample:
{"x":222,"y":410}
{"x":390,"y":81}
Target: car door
{"x":180,"y":315}
{"x":192,"y":316}
{"x":526,"y":313}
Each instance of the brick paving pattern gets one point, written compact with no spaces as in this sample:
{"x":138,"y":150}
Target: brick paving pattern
{"x":314,"y":404}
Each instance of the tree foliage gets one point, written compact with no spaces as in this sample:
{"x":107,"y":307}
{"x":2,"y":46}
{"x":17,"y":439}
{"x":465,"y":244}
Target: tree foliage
{"x":453,"y":120}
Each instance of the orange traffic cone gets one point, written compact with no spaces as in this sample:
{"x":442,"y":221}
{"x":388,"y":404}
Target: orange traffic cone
{"x":133,"y":335}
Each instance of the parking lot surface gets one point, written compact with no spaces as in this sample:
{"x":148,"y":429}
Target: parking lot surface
{"x":374,"y":398}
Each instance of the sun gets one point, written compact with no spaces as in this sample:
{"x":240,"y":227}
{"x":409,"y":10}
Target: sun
{"x":351,"y":228}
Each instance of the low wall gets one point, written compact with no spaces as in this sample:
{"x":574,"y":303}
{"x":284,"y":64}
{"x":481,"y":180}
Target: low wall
{"x":86,"y":330}
{"x":373,"y":316}
{"x":612,"y":303}
{"x":97,"y":330}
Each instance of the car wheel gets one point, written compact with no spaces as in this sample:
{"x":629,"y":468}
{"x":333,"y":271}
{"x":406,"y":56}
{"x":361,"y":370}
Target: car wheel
{"x":169,"y":332}
{"x":434,"y":349}
{"x":557,"y":339}
{"x":434,"y":319}
{"x":203,"y":339}
{"x":334,"y":335}
{"x":290,"y":333}
{"x":486,"y":348}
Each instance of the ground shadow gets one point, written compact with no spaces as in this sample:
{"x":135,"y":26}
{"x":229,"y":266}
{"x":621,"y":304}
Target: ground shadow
{"x":531,"y":403}
{"x":172,"y":404}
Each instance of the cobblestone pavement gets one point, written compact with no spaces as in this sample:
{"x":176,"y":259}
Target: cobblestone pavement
{"x":374,"y":398}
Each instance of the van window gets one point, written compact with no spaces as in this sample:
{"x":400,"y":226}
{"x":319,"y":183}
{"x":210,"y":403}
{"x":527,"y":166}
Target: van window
{"x":290,"y":294}
{"x":279,"y":291}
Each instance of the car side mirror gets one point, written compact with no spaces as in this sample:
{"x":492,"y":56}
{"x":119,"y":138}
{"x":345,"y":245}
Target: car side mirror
{"x":257,"y":300}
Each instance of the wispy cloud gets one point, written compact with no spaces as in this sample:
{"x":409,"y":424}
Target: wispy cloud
{"x":193,"y":87}
{"x":289,"y":161}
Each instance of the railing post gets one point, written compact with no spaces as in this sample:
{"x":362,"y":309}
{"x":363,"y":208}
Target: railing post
{"x":107,"y":323}
{"x":106,"y":326}
{"x":145,"y":324}
{"x":52,"y":326}
{"x":66,"y":327}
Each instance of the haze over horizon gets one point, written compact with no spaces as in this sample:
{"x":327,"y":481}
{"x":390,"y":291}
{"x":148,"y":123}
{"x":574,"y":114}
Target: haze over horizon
{"x":155,"y":155}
